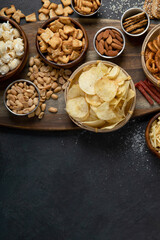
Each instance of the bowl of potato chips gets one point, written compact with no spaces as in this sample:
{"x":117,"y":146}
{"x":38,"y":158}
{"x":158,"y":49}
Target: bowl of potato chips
{"x":100,"y":96}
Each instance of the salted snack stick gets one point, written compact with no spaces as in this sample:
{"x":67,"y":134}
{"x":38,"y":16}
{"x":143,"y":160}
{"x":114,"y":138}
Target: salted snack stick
{"x":137,"y":25}
{"x":136,"y":16}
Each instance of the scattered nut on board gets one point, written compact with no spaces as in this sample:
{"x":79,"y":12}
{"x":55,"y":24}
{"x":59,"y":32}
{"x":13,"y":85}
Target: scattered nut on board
{"x":48,"y":10}
{"x":49,"y":81}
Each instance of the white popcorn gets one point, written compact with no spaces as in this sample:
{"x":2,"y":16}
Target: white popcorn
{"x":12,"y":54}
{"x":16,"y":33}
{"x":2,"y":48}
{"x":13,"y":64}
{"x":9,"y":45}
{"x":6,"y":26}
{"x":7,"y":35}
{"x":6,"y":58}
{"x":4,"y":69}
{"x":1,"y":63}
{"x":19,"y":49}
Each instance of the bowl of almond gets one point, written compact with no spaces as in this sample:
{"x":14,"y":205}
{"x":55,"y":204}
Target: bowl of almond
{"x":86,"y":8}
{"x":109,"y":42}
{"x":61,"y":42}
{"x":21,"y":97}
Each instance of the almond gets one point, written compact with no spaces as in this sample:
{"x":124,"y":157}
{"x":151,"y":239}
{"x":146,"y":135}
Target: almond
{"x":97,"y":44}
{"x":116,"y":32}
{"x":106,"y":45}
{"x":100,"y":48}
{"x":106,"y":34}
{"x":100,"y":36}
{"x":110,"y":47}
{"x":112,"y":33}
{"x":118,"y":42}
{"x":119,"y":37}
{"x":109,"y":39}
{"x":112,"y":53}
{"x":116,"y":46}
{"x":102,"y":41}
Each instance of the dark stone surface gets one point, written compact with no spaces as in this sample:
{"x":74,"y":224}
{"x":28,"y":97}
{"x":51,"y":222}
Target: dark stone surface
{"x":78,"y":185}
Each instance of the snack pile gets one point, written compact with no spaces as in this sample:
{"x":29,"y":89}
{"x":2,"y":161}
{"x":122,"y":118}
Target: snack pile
{"x":11,"y":48}
{"x":152,"y":8}
{"x":49,"y":82}
{"x":155,"y":134}
{"x":22,"y":98}
{"x":61,"y":41}
{"x":100,"y":96}
{"x":135,"y":24}
{"x":109,"y":42}
{"x":86,"y":7}
{"x":152,"y":57}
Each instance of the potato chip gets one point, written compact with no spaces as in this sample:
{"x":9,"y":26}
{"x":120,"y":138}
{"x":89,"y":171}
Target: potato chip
{"x":88,"y":79}
{"x":74,"y":92}
{"x":93,"y":100}
{"x":95,"y":123}
{"x":77,"y":108}
{"x":121,"y":77}
{"x":114,"y":72}
{"x":104,"y":112}
{"x":106,"y":89}
{"x":122,"y":90}
{"x":130,"y":95}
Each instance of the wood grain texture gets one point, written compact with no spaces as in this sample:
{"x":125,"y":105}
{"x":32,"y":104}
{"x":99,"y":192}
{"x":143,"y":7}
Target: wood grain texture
{"x":130,"y":60}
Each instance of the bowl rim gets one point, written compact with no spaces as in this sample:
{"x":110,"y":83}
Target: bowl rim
{"x":130,"y":111}
{"x":102,"y":29}
{"x":26,"y":48}
{"x":144,"y":45}
{"x":151,"y":148}
{"x":139,"y":34}
{"x":72,"y":63}
{"x":5,"y":93}
{"x":85,"y":15}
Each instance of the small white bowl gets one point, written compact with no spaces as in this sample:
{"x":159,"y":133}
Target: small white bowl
{"x":85,"y":15}
{"x":103,"y":29}
{"x":130,"y":12}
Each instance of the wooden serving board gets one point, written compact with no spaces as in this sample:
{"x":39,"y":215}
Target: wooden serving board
{"x":130,"y":60}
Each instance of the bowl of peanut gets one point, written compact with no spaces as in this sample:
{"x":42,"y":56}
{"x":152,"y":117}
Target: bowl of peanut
{"x":61,"y":42}
{"x":109,"y":42}
{"x":21,"y":97}
{"x":86,"y":8}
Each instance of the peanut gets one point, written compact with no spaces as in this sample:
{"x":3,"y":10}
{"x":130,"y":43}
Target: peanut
{"x":54,"y":96}
{"x":52,"y":110}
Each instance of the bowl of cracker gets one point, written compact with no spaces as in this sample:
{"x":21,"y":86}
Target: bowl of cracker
{"x":62,"y":42}
{"x":86,"y":8}
{"x":135,"y":22}
{"x":150,"y":55}
{"x":100,"y":96}
{"x":13,"y":48}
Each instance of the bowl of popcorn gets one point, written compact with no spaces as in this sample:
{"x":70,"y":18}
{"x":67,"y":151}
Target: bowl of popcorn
{"x":21,"y":97}
{"x":13,"y":48}
{"x":152,"y":135}
{"x":100,"y":96}
{"x":61,"y":42}
{"x":86,"y":8}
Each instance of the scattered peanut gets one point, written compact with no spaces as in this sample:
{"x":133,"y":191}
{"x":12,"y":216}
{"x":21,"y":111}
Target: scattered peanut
{"x":47,"y":80}
{"x":53,"y":110}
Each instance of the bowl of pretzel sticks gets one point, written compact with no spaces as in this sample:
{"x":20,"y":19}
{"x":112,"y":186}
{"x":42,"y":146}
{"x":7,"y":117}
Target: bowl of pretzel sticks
{"x":150,"y":55}
{"x":135,"y":22}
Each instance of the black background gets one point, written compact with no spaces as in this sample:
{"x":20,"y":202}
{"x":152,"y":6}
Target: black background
{"x":76,"y":185}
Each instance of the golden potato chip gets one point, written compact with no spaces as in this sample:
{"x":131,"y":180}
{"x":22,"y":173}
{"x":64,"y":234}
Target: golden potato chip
{"x":77,"y":108}
{"x":95,"y":123}
{"x":104,"y":112}
{"x":93,"y":100}
{"x":74,"y":92}
{"x":114,"y":72}
{"x":106,"y":89}
{"x":88,"y":79}
{"x":121,"y":78}
{"x":122,"y":90}
{"x":130,"y":95}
